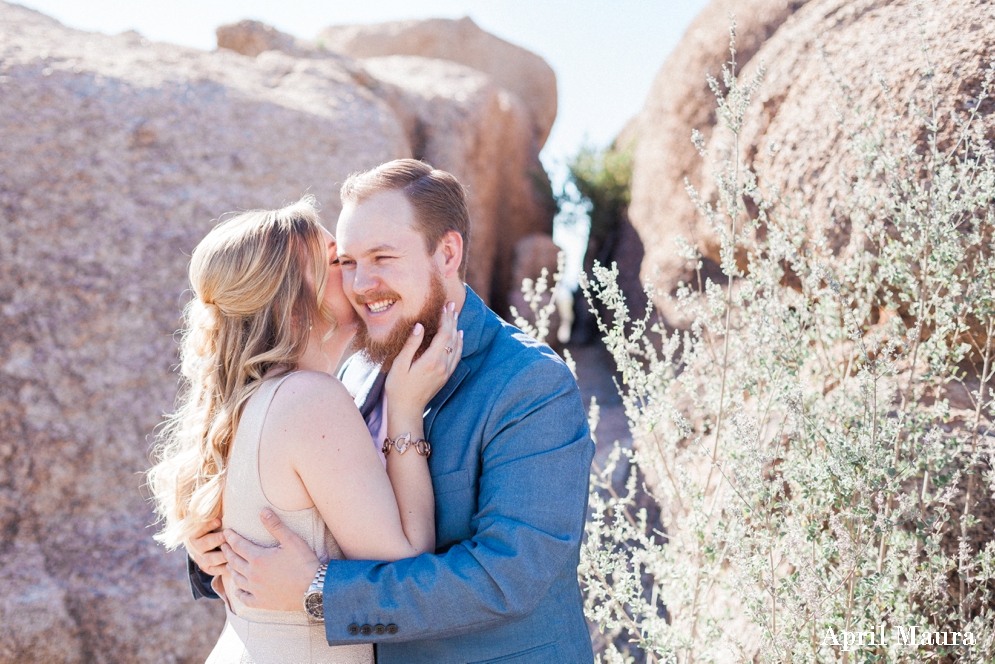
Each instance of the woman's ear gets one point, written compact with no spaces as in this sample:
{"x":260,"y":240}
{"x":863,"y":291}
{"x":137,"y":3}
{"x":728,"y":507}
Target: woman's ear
{"x":450,"y":252}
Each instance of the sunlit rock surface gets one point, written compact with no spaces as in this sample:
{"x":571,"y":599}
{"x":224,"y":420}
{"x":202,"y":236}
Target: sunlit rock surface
{"x":521,"y":72}
{"x":680,"y":101}
{"x":871,"y":62}
{"x":822,"y":58}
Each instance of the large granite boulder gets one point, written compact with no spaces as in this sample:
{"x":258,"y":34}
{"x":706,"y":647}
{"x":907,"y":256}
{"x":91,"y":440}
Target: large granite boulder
{"x":251,"y":38}
{"x":868,"y":60}
{"x":460,"y":111}
{"x":117,"y":155}
{"x":821,"y":57}
{"x":680,"y":101}
{"x":521,"y":72}
{"x":829,"y":64}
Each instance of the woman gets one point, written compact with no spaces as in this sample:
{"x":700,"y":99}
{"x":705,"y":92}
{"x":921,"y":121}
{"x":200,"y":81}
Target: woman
{"x":264,"y":423}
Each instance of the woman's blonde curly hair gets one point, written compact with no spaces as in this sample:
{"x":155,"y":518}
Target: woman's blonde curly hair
{"x":252,"y":310}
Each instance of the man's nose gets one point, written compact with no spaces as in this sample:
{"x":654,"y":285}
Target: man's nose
{"x":365,"y":279}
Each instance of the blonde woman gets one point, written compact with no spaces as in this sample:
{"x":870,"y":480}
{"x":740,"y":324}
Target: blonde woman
{"x":263,"y":422}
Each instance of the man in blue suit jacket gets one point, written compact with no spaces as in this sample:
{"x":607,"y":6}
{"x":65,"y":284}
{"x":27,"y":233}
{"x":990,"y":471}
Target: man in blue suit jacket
{"x":511,"y":452}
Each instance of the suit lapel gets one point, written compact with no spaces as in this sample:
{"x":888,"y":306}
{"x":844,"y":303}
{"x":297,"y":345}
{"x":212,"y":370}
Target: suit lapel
{"x":439,"y":400}
{"x":471,"y":321}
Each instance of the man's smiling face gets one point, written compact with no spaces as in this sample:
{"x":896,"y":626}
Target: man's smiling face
{"x":387,"y":273}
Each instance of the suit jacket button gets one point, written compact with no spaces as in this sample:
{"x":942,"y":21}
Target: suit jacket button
{"x":366,"y":630}
{"x":392,"y":628}
{"x":354,"y":629}
{"x":379,"y":629}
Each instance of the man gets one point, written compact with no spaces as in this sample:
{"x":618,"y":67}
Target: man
{"x":511,"y":453}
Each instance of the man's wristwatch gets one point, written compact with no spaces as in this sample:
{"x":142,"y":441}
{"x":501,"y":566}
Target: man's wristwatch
{"x":403,"y":442}
{"x":314,"y":604}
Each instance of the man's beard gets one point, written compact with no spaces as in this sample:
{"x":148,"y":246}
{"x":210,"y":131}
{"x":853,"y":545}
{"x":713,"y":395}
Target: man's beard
{"x":384,"y":351}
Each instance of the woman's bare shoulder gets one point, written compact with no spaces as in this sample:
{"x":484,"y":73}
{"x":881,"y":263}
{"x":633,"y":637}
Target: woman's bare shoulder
{"x":311,"y":395}
{"x":311,"y":387}
{"x":309,"y":409}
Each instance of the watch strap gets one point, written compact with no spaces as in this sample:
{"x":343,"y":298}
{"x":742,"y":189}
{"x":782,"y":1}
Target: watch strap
{"x":318,"y":583}
{"x":313,"y":598}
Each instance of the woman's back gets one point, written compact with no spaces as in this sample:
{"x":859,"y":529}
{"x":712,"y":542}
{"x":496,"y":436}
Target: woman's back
{"x":268,"y":291}
{"x":259,"y":635}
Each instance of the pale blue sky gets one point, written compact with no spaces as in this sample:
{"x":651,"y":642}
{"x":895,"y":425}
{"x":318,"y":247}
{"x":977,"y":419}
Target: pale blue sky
{"x":605,"y":52}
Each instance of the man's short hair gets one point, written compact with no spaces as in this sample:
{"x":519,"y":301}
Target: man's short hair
{"x":438,"y":199}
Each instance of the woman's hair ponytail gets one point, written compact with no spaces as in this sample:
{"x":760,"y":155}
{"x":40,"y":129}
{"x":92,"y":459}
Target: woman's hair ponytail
{"x":258,"y":281}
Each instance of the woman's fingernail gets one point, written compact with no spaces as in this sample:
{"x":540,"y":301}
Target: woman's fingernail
{"x":418,"y":329}
{"x":461,"y":334}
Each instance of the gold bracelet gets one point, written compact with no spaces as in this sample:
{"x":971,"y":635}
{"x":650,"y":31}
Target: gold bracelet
{"x":403,"y":442}
{"x":423,"y":447}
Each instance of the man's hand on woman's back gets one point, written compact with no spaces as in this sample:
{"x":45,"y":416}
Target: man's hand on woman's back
{"x":274,"y":578}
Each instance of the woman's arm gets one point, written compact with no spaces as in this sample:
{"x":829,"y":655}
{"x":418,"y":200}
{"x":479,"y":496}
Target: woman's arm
{"x":410,"y":385}
{"x":314,"y":421}
{"x":409,"y":478}
{"x":373,"y":515}
{"x":314,"y":418}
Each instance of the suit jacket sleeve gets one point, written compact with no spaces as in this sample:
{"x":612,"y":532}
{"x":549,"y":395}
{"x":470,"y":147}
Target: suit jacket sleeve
{"x":200,"y":581}
{"x":535,"y":465}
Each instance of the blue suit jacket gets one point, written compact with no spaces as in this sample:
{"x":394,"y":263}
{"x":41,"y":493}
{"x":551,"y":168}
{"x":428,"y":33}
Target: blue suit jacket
{"x":511,"y":456}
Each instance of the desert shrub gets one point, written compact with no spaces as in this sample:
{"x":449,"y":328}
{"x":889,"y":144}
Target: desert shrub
{"x":600,"y":179}
{"x":818,"y":441}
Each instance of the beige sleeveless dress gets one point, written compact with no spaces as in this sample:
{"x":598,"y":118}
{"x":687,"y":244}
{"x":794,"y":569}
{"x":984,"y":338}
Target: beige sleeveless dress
{"x":258,"y":636}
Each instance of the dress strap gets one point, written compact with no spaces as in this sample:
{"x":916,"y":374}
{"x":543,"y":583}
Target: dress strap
{"x":243,"y":462}
{"x":254,"y":414}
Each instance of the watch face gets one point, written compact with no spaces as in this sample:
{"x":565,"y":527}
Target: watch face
{"x":314,"y":606}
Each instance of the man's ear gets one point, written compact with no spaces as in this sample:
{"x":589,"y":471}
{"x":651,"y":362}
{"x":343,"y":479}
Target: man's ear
{"x":450,"y":252}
